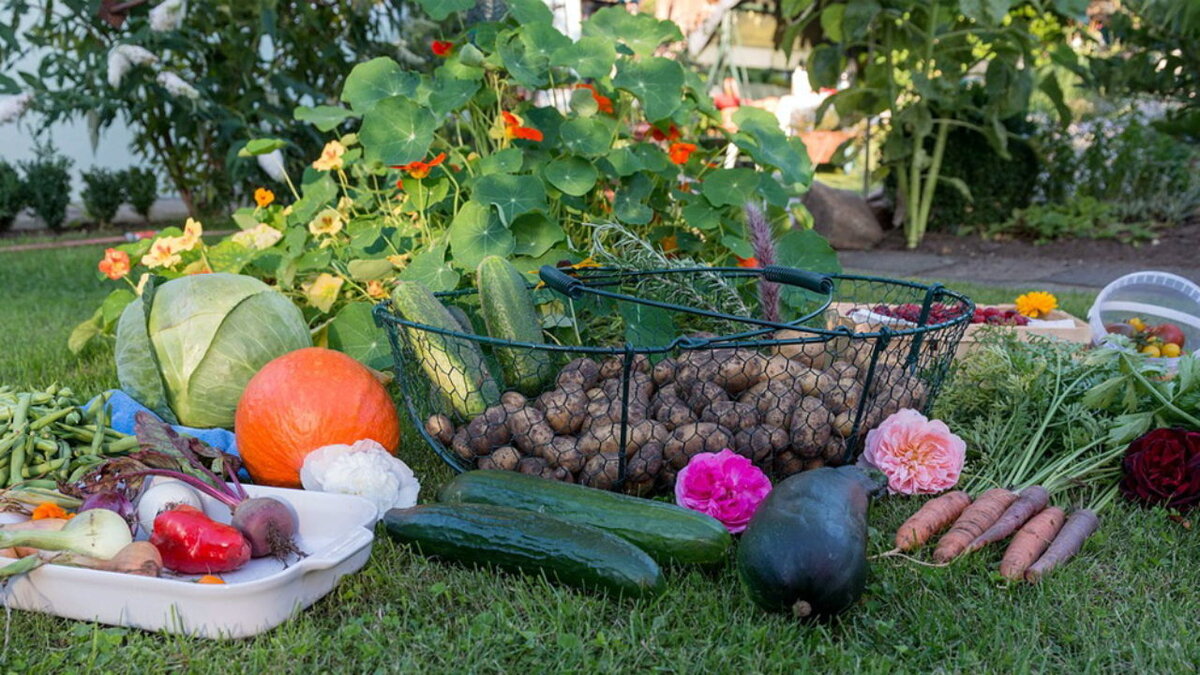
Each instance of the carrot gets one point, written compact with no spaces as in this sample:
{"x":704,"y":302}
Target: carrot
{"x":936,"y":515}
{"x":1029,"y":504}
{"x":1070,"y":539}
{"x":974,"y":520}
{"x":1030,"y":542}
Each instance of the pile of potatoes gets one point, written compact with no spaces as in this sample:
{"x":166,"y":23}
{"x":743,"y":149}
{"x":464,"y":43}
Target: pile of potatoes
{"x":788,"y":410}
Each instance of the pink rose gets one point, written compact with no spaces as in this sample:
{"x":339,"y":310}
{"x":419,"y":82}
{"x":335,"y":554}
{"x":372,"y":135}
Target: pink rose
{"x":725,"y":485}
{"x":918,"y":456}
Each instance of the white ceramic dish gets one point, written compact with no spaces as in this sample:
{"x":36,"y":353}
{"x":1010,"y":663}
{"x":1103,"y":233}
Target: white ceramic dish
{"x":335,"y":530}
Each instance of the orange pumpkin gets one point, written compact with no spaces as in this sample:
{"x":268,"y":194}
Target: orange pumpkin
{"x":305,"y":400}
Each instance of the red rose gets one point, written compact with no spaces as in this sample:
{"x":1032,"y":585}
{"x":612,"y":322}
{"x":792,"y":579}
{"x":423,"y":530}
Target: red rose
{"x":1163,"y":467}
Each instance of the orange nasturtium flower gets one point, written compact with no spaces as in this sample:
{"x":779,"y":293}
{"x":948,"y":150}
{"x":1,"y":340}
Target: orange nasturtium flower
{"x":376,"y":290}
{"x":603,"y":102}
{"x":47,"y":510}
{"x":514,"y":127}
{"x":681,"y":152}
{"x":263,"y":197}
{"x":746,"y":262}
{"x":115,"y":264}
{"x":441,"y":48}
{"x":671,"y":134}
{"x":669,"y":244}
{"x":210,"y":579}
{"x":419,"y":169}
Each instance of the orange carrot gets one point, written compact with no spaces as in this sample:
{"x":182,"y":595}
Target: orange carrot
{"x":1031,"y":502}
{"x":974,"y":520}
{"x":935,"y":516}
{"x":1070,"y":539}
{"x":1030,"y":542}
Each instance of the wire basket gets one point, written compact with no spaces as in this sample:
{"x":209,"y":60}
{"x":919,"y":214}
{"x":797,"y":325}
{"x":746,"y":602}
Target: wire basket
{"x":626,"y":409}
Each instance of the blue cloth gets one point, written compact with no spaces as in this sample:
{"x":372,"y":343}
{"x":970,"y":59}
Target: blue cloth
{"x":122,"y":408}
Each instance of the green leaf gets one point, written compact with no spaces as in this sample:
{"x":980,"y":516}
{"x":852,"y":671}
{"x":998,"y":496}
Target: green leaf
{"x":397,"y":131}
{"x":369,"y":270}
{"x":323,"y":117}
{"x":774,"y":193}
{"x":507,"y":160}
{"x":424,"y":193}
{"x":512,"y":195}
{"x":583,"y":104}
{"x":318,"y":190}
{"x":1074,"y":9}
{"x":1124,"y":429}
{"x":529,"y":11}
{"x":641,"y":33}
{"x":229,"y":256}
{"x":657,"y":82}
{"x":429,"y":267}
{"x":449,"y":91}
{"x":261,"y":146}
{"x":831,"y":23}
{"x":527,"y":65}
{"x":573,"y":175}
{"x":590,"y":57}
{"x":85,"y":332}
{"x":730,"y":187}
{"x":546,"y":120}
{"x":760,"y":136}
{"x":315,"y":260}
{"x":354,"y":333}
{"x":825,"y":66}
{"x":1050,"y":87}
{"x":647,"y":326}
{"x":535,"y":234}
{"x":476,"y":233}
{"x":113,"y":305}
{"x":858,"y":17}
{"x":987,"y":12}
{"x":700,"y":214}
{"x":738,"y":246}
{"x":806,"y":250}
{"x":438,"y":10}
{"x":628,"y":206}
{"x":588,"y":136}
{"x":244,"y":218}
{"x":373,"y":81}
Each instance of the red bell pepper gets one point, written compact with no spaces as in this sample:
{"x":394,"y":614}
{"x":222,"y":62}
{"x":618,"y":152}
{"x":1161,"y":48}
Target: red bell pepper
{"x":192,"y":543}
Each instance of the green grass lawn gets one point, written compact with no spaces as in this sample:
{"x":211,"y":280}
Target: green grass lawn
{"x":1129,"y":603}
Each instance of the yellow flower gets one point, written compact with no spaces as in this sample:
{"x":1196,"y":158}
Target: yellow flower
{"x":191,"y":235}
{"x":327,"y":222}
{"x":1037,"y":304}
{"x":141,"y":284}
{"x":376,"y":290}
{"x":163,"y":252}
{"x":258,"y":238}
{"x":323,"y":291}
{"x":345,"y":204}
{"x":400,"y":260}
{"x":263,"y":197}
{"x":331,"y":157}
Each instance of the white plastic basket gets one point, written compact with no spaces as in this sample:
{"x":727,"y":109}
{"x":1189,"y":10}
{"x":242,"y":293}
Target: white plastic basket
{"x":1155,"y":297}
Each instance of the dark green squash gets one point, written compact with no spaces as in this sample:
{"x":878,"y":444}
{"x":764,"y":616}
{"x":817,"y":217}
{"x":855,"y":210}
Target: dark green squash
{"x":805,"y":550}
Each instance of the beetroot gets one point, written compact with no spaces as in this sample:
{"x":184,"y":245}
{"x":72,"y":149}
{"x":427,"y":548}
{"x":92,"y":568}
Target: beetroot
{"x":268,"y":525}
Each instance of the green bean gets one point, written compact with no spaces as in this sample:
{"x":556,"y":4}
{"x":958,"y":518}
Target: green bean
{"x":50,"y":418}
{"x":126,"y":444}
{"x":78,"y":472}
{"x":40,"y":483}
{"x":21,"y":412}
{"x":41,"y":469}
{"x":8,"y":442}
{"x":17,"y":463}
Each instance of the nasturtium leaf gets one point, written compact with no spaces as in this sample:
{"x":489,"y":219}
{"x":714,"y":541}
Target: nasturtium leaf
{"x":573,"y":175}
{"x":438,"y":10}
{"x":591,"y":57}
{"x":641,"y":33}
{"x":647,"y":326}
{"x":543,"y":40}
{"x":760,"y":136}
{"x":476,"y":233}
{"x":529,"y":11}
{"x":507,"y":160}
{"x":369,"y":270}
{"x":373,"y":81}
{"x":657,"y":82}
{"x":397,"y":131}
{"x":354,"y":333}
{"x":738,"y":246}
{"x":368,"y":240}
{"x":1075,"y":9}
{"x":449,"y":92}
{"x":858,"y":17}
{"x":83,"y":333}
{"x":587,"y":136}
{"x":831,"y":22}
{"x":546,"y":120}
{"x":651,"y":157}
{"x":318,"y":190}
{"x":114,"y":304}
{"x":775,"y":194}
{"x":229,"y":256}
{"x":806,"y":250}
{"x":323,"y":117}
{"x":527,"y":66}
{"x":730,"y":187}
{"x":628,"y":204}
{"x":316,"y":259}
{"x":244,"y":218}
{"x":825,"y":66}
{"x":583,"y":103}
{"x":429,"y":267}
{"x":624,"y":162}
{"x":512,"y":195}
{"x":700,"y":214}
{"x":261,"y":146}
{"x":535,"y":234}
{"x":424,"y":193}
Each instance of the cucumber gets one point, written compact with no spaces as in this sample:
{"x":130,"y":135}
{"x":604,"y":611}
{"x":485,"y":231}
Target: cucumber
{"x":805,"y":549}
{"x":524,"y":541}
{"x":668,"y":533}
{"x":509,"y":314}
{"x":455,"y":365}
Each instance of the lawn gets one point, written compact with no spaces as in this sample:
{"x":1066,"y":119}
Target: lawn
{"x":1129,"y":603}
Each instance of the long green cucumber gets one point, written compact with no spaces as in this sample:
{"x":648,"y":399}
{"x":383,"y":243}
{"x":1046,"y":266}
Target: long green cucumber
{"x":509,"y":314}
{"x":524,"y":541}
{"x":669,"y":533}
{"x":455,"y":365}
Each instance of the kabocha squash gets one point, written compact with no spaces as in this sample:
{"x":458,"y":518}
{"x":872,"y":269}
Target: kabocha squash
{"x":305,"y":400}
{"x":509,"y":314}
{"x":805,"y":550}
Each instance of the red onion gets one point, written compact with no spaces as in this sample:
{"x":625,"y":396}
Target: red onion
{"x":111,"y":501}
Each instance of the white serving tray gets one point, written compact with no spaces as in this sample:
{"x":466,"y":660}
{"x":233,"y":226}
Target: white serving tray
{"x":336,"y":531}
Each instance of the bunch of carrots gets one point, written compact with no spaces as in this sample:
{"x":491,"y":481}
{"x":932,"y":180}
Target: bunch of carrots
{"x":1043,"y":536}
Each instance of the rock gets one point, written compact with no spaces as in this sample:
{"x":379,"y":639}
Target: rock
{"x":843,"y":217}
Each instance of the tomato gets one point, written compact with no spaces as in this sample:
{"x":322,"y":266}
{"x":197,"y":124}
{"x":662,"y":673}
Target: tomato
{"x":1168,"y":332}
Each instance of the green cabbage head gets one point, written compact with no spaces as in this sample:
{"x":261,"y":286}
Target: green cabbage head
{"x":190,"y":355}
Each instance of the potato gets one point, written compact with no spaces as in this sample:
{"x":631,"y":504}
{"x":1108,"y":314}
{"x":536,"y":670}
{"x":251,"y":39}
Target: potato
{"x":606,"y":438}
{"x":675,"y":414}
{"x":775,"y":402}
{"x":605,"y":411}
{"x":534,"y":437}
{"x":732,"y":415}
{"x":641,"y":387}
{"x":460,"y":446}
{"x":778,"y":367}
{"x":703,"y":394}
{"x":601,"y":471}
{"x":738,"y":369}
{"x":843,"y":423}
{"x":534,"y":466}
{"x":812,"y":426}
{"x":441,"y":428}
{"x":603,"y":437}
{"x":614,"y":366}
{"x":691,"y":439}
{"x":488,"y":431}
{"x":788,"y":463}
{"x":560,"y":474}
{"x":843,"y":369}
{"x":664,"y":372}
{"x":813,"y":464}
{"x":667,"y":477}
{"x":565,"y":409}
{"x":643,"y":468}
{"x":760,"y":443}
{"x":513,"y":400}
{"x":844,"y":396}
{"x":835,"y":451}
{"x":502,"y":459}
{"x":818,"y":355}
{"x":582,"y":371}
{"x":563,"y":451}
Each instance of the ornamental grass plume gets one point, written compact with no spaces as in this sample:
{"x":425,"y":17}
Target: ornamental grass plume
{"x":764,"y":254}
{"x":918,"y":455}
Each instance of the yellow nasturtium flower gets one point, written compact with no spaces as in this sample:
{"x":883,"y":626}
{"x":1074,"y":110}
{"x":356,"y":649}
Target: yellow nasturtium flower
{"x":328,"y":222}
{"x":323,"y":291}
{"x":163,"y":252}
{"x":331,"y":157}
{"x":258,"y":238}
{"x":191,"y":235}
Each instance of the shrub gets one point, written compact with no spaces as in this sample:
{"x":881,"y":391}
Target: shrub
{"x":141,"y":189}
{"x":48,"y":185}
{"x":11,"y":195}
{"x":1080,"y":217}
{"x":103,"y":193}
{"x":997,"y":184}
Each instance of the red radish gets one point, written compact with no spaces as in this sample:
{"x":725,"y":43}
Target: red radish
{"x":192,"y":543}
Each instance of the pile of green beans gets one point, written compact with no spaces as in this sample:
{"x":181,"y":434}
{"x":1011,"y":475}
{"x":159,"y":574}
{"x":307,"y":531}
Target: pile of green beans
{"x":47,"y":436}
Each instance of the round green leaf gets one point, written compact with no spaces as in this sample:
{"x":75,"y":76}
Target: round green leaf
{"x":354,"y":333}
{"x":369,"y":269}
{"x":261,"y":146}
{"x":535,"y":234}
{"x":730,"y":187}
{"x":477,"y":233}
{"x":588,"y":136}
{"x":375,"y":80}
{"x":657,"y":82}
{"x":527,"y":64}
{"x":323,"y":117}
{"x":429,"y":267}
{"x":397,"y":131}
{"x":512,"y":195}
{"x":438,"y":10}
{"x":590,"y":57}
{"x":573,"y":175}
{"x":529,"y":11}
{"x":760,"y":136}
{"x":640,"y":33}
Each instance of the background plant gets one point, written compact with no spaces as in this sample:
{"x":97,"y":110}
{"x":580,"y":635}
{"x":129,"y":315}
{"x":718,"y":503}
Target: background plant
{"x":141,"y":189}
{"x":47,"y":185}
{"x":103,"y":193}
{"x":11,"y":195}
